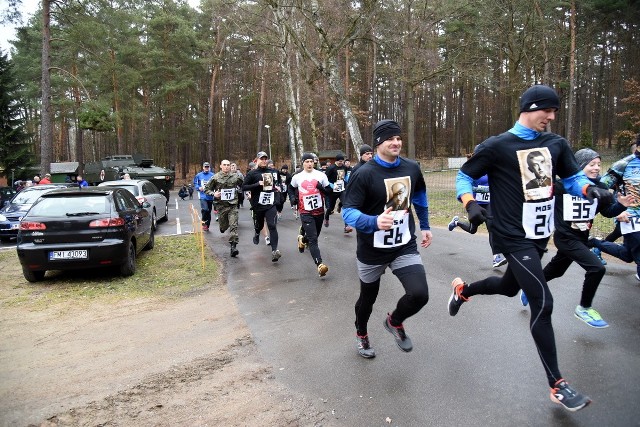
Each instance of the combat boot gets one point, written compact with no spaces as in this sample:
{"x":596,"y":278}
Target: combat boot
{"x":234,"y":250}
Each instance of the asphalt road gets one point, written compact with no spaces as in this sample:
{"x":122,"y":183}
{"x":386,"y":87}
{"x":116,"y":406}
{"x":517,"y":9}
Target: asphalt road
{"x":479,"y":368}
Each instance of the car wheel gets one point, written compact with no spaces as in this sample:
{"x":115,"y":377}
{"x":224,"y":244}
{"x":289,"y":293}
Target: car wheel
{"x":154,"y":220}
{"x":32,"y":276}
{"x":129,"y":266}
{"x":151,"y":243}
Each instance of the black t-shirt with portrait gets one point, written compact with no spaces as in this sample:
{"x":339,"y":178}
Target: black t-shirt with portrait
{"x":261,"y":199}
{"x":521,"y":214}
{"x":369,"y":191}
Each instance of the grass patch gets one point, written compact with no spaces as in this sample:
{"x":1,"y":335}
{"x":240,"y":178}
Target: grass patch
{"x":173,"y":268}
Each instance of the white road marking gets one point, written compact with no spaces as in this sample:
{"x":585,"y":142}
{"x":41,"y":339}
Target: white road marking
{"x":178,"y":229}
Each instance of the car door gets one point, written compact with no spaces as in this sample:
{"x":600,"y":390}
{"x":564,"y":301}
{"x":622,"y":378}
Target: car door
{"x":136,"y":218}
{"x":152,"y":194}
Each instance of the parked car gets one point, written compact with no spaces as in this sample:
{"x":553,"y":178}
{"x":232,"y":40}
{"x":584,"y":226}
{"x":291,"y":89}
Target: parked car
{"x":76,"y":228}
{"x":145,"y":191}
{"x":12,"y":213}
{"x":6,"y":194}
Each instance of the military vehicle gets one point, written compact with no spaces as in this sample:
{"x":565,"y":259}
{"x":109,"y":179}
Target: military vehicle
{"x":115,"y":167}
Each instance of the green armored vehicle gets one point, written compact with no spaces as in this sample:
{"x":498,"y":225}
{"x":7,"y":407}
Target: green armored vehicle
{"x":115,"y":167}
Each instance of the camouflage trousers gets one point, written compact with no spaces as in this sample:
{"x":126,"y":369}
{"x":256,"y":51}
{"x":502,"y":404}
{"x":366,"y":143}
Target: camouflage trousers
{"x":228,"y":219}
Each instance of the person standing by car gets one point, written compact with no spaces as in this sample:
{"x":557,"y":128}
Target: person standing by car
{"x":224,"y":188}
{"x":206,"y":201}
{"x":46,"y":179}
{"x":81,"y":182}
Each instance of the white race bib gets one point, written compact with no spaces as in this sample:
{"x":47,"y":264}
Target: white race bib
{"x":338,"y":187}
{"x":312,"y":201}
{"x":397,"y":235}
{"x":266,"y":198}
{"x":633,"y":226}
{"x":482,"y":197}
{"x":575,"y":208}
{"x":227,"y":194}
{"x":537,"y":219}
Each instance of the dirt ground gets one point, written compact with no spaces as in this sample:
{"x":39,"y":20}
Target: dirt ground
{"x":186,"y":362}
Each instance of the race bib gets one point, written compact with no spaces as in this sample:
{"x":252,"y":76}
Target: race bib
{"x":482,"y":197}
{"x":632,"y":226}
{"x":537,"y":219}
{"x":338,"y":187}
{"x":397,"y":235}
{"x":227,"y":194}
{"x":575,"y":208}
{"x":266,"y":198}
{"x":312,"y":201}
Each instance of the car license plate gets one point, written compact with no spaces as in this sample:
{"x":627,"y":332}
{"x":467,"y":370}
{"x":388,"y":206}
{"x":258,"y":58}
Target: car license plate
{"x":76,"y":254}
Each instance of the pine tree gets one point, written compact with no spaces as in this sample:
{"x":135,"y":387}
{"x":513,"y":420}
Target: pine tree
{"x":15,"y":153}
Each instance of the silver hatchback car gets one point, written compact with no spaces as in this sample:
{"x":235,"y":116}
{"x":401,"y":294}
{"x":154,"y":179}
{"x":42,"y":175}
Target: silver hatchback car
{"x":145,"y":191}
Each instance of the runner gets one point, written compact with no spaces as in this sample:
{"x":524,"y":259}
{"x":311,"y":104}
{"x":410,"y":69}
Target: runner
{"x":336,"y":174}
{"x":206,"y":201}
{"x":224,"y":188}
{"x":260,"y":182}
{"x":523,"y":219}
{"x":310,"y":185}
{"x":573,"y":219}
{"x":386,"y":238}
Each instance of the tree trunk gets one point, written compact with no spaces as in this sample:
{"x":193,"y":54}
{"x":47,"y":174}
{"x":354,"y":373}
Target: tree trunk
{"x":46,"y":129}
{"x":572,"y":75}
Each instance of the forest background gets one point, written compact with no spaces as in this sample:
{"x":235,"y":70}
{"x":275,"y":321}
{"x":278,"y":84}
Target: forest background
{"x":183,"y":85}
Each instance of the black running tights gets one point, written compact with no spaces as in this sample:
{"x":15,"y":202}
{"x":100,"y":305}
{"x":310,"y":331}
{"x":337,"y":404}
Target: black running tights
{"x":524,"y":271}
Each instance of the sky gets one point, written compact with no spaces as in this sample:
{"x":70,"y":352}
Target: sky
{"x":29,"y":7}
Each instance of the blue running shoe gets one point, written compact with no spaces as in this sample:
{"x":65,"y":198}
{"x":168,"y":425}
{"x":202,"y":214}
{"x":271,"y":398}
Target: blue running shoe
{"x":499,"y":260}
{"x":590,"y":316}
{"x":454,"y":223}
{"x":598,"y":253}
{"x":523,"y":299}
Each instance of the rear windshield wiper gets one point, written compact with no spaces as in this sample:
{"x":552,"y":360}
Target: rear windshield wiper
{"x":83,"y":213}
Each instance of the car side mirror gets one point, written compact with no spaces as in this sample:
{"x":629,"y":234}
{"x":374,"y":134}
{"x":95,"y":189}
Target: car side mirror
{"x":145,"y":205}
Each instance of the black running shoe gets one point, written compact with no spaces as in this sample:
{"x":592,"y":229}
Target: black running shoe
{"x":364,"y":348}
{"x":256,"y":239}
{"x":275,"y":255}
{"x":566,"y":396}
{"x":456,"y":299}
{"x":402,"y":340}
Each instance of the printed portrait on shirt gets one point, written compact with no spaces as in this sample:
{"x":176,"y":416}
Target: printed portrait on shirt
{"x":398,"y":191}
{"x":535,"y":173}
{"x":340,"y":175}
{"x":267,"y":181}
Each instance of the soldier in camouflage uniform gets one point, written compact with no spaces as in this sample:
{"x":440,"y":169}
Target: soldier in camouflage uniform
{"x":224,"y":188}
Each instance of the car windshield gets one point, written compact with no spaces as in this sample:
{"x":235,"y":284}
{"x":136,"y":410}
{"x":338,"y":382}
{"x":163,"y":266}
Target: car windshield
{"x":71,"y":206}
{"x":133,"y":189}
{"x":27,"y":197}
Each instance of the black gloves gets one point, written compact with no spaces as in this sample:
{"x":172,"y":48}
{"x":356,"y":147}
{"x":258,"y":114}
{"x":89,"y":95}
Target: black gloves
{"x":605,"y":197}
{"x":477,"y":214}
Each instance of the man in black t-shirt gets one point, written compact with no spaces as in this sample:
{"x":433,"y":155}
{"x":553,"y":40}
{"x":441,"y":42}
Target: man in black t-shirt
{"x":386,"y":238}
{"x":522,"y":219}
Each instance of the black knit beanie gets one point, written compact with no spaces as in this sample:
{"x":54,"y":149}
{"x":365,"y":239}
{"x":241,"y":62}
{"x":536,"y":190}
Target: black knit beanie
{"x":384,"y":130}
{"x":539,"y":97}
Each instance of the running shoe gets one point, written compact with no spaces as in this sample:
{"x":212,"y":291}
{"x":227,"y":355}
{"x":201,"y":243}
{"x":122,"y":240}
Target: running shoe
{"x":279,"y":216}
{"x":590,"y":316}
{"x":301,"y":244}
{"x":326,"y":222}
{"x":637,"y":277}
{"x":275,"y":255}
{"x":256,"y":239}
{"x":348,"y":229}
{"x":566,"y":396}
{"x":364,"y":348}
{"x":456,"y":299}
{"x":205,"y":228}
{"x":267,"y":240}
{"x":454,"y":223}
{"x":402,"y":340}
{"x":499,"y":260}
{"x":322,"y":269}
{"x":523,"y":299}
{"x":597,"y":252}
